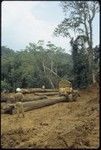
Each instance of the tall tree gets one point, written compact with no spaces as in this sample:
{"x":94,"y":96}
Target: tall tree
{"x":80,"y":62}
{"x":96,"y":57}
{"x":79,"y":18}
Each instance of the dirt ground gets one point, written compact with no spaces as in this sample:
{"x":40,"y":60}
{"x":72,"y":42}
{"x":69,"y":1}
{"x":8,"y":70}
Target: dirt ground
{"x":63,"y":125}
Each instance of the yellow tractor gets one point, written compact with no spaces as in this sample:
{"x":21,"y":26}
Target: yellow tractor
{"x":65,"y":89}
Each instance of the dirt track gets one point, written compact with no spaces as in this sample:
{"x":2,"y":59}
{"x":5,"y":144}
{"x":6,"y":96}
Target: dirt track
{"x":63,"y":125}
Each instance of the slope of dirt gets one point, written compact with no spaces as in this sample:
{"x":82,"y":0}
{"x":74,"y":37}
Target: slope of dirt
{"x":63,"y":125}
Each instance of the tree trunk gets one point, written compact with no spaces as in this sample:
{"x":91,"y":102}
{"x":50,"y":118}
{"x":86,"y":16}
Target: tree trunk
{"x":47,"y":94}
{"x":94,"y":78}
{"x":34,"y":98}
{"x":34,"y":90}
{"x":51,"y":83}
{"x":42,"y":103}
{"x":52,"y":72}
{"x":90,"y":52}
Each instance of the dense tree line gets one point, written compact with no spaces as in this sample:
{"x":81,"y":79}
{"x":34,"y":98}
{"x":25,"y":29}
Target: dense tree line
{"x":34,"y":66}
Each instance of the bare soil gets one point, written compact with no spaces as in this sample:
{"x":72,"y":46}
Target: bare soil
{"x":63,"y":125}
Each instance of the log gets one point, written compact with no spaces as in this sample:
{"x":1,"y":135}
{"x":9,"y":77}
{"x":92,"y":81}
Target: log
{"x":33,"y":90}
{"x":42,"y":103}
{"x":34,"y":98}
{"x":7,"y":108}
{"x":47,"y":94}
{"x":11,"y":99}
{"x":4,"y":97}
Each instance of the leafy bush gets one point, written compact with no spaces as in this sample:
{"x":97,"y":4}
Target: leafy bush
{"x":5,"y":86}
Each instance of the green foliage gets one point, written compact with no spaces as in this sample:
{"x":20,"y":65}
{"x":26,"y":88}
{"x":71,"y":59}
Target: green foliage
{"x":35,"y":66}
{"x":5,"y":85}
{"x":80,"y":64}
{"x":96,"y":57}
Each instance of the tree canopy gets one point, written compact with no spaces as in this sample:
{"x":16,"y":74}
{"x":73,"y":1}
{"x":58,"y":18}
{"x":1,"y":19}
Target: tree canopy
{"x":34,"y":66}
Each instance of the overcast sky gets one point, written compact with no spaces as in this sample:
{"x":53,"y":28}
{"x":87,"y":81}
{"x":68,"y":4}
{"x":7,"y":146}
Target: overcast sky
{"x":29,"y":21}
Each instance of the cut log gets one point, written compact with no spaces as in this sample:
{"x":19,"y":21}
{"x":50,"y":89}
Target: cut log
{"x":34,"y":98}
{"x":33,"y":90}
{"x":47,"y":94}
{"x":7,"y":108}
{"x":42,"y":103}
{"x":4,"y":97}
{"x":11,"y":99}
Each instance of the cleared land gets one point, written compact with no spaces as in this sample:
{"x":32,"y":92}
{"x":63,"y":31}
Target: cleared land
{"x":62,"y":125}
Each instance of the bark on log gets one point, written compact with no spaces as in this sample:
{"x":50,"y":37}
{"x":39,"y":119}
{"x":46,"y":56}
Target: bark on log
{"x":47,"y":94}
{"x":42,"y":103}
{"x":4,"y":97}
{"x":34,"y":98}
{"x":11,"y":99}
{"x":38,"y":90}
{"x":7,"y":109}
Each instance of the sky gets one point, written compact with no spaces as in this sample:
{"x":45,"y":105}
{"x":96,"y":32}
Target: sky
{"x":23,"y":22}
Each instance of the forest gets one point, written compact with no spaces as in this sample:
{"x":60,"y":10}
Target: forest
{"x":35,"y":66}
{"x":38,"y":65}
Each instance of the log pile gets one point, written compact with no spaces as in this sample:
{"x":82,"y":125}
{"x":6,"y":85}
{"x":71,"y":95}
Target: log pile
{"x":11,"y":98}
{"x":34,"y":104}
{"x":35,"y":98}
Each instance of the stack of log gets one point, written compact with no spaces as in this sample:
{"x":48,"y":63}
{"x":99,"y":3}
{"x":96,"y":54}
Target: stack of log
{"x":29,"y":95}
{"x":34,"y":104}
{"x":32,"y":99}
